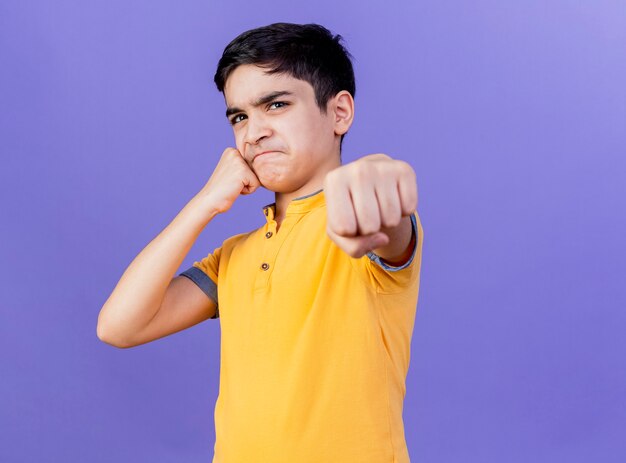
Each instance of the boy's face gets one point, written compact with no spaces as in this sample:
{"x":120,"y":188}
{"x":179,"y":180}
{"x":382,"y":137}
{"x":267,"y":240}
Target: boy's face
{"x":302,"y":141}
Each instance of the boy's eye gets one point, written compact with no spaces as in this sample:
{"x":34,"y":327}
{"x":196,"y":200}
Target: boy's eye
{"x":278,"y":102}
{"x":235,"y":119}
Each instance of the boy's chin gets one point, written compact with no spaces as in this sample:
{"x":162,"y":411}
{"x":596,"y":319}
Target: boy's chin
{"x":276,"y":186}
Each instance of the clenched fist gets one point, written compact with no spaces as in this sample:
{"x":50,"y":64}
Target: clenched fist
{"x":231,"y":177}
{"x":369,"y":202}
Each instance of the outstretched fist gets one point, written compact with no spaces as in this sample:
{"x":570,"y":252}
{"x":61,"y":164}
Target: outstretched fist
{"x":366,"y":199}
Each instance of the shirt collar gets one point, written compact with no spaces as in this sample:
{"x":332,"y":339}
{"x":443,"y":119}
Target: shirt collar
{"x":298,"y":205}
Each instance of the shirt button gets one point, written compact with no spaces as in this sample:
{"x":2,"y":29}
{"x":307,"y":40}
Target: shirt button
{"x":265,"y":266}
{"x":268,"y":234}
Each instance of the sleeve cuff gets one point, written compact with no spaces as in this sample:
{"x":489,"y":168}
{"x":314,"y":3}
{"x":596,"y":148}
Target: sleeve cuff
{"x":204,"y":283}
{"x":375,"y":258}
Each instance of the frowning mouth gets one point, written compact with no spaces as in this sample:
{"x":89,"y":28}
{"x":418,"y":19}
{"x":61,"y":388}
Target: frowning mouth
{"x":262,"y":153}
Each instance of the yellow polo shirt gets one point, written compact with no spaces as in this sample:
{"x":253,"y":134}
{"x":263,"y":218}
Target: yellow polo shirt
{"x":315,"y":344}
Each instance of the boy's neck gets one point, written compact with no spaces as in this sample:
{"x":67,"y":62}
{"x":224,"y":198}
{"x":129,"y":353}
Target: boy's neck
{"x":282,"y":200}
{"x":314,"y":184}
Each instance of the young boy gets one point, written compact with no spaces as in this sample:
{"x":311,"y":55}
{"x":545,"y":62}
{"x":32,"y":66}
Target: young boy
{"x":316,"y":306}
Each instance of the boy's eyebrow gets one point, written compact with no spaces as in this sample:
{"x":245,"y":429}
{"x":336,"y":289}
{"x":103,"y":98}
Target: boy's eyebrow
{"x":260,"y":101}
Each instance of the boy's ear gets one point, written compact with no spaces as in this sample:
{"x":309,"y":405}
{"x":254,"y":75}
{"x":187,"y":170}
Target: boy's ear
{"x":343,"y":111}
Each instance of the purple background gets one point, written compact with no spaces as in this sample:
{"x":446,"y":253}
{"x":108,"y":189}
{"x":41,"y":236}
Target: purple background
{"x":513,"y":115}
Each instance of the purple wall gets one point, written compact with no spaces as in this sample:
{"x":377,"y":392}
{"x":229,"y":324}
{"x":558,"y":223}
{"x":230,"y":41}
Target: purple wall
{"x":513,"y":115}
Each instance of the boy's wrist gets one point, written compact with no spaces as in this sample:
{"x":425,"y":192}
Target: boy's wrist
{"x":201,"y":208}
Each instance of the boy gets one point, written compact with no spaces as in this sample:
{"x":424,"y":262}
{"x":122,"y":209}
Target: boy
{"x":317,"y":306}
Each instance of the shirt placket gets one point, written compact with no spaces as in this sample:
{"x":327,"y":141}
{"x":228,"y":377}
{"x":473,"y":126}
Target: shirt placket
{"x":272,"y":244}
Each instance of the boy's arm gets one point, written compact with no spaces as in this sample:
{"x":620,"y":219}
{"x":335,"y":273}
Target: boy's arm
{"x":401,"y":243}
{"x":143,"y":287}
{"x":147,"y":303}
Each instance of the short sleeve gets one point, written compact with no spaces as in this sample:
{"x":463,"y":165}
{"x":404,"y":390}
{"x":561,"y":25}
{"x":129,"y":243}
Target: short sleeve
{"x":390,"y":279}
{"x":204,"y":274}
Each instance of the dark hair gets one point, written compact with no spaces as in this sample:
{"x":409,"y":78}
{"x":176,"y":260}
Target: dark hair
{"x":307,"y":52}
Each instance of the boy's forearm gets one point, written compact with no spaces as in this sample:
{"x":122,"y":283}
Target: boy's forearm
{"x":141,"y":289}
